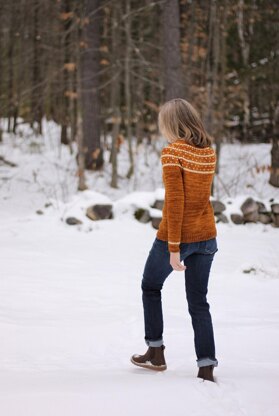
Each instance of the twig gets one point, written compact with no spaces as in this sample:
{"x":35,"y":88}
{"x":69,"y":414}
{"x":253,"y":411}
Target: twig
{"x":8,"y":162}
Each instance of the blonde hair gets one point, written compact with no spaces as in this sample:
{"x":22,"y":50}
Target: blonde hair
{"x":178,"y":119}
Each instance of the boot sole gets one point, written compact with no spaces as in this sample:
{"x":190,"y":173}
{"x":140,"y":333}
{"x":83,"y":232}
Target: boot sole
{"x":150,"y":366}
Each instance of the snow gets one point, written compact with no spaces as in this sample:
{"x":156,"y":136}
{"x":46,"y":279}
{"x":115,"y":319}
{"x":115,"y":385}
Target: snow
{"x":70,"y":301}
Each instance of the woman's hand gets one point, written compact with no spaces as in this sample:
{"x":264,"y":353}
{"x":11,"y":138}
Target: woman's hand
{"x":175,"y":262}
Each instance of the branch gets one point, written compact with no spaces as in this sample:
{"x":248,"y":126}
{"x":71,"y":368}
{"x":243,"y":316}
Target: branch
{"x":7,"y":162}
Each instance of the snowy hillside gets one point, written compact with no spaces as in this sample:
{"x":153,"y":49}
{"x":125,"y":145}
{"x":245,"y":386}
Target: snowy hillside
{"x":70,"y":300}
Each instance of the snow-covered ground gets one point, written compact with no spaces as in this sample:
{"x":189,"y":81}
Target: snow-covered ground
{"x":70,"y":302}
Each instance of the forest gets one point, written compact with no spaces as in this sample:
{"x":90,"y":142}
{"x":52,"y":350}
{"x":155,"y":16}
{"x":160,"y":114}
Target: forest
{"x":99,"y":210}
{"x":103,"y":68}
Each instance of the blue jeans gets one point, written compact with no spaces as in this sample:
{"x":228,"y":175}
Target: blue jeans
{"x":198,"y":258}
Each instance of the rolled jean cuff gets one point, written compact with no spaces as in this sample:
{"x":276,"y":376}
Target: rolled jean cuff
{"x":202,"y":362}
{"x":157,"y":343}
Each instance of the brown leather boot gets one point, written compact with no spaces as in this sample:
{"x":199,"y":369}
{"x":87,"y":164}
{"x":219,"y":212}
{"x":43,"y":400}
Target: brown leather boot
{"x":206,"y":372}
{"x":153,"y":359}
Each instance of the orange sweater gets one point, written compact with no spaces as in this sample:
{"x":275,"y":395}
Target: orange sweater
{"x":188,"y":215}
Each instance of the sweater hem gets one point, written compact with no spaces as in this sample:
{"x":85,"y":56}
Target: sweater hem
{"x":191,"y":238}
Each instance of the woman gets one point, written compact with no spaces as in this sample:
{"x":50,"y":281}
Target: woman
{"x":186,"y":232}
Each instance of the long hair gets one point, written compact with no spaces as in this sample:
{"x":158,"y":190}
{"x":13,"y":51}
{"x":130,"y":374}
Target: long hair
{"x":178,"y":119}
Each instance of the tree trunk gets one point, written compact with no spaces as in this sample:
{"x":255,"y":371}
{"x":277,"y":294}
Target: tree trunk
{"x":210,"y":66}
{"x":66,"y":18}
{"x":274,"y":174}
{"x":11,"y":71}
{"x":212,"y":63}
{"x":115,"y":97}
{"x":139,"y":84}
{"x":80,"y":158}
{"x":37,"y":110}
{"x":128,"y":88}
{"x":89,"y":71}
{"x":192,"y":42}
{"x":221,"y":100}
{"x":171,"y":50}
{"x":245,"y":51}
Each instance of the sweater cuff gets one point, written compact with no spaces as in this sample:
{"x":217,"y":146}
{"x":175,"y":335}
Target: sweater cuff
{"x":173,"y":247}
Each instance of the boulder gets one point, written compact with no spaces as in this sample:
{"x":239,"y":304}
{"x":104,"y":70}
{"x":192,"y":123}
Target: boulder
{"x":249,"y":206}
{"x":275,"y":208}
{"x":156,"y":222}
{"x":142,"y":215}
{"x":251,"y":217}
{"x":265,"y":218}
{"x":275,"y":219}
{"x":237,"y":219}
{"x":261,"y":207}
{"x":99,"y":212}
{"x":222,"y":218}
{"x":73,"y":221}
{"x":218,"y":206}
{"x":158,"y":204}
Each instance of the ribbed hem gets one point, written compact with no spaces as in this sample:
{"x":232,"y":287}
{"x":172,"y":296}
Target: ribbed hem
{"x":194,"y":238}
{"x":190,"y":238}
{"x":173,"y":248}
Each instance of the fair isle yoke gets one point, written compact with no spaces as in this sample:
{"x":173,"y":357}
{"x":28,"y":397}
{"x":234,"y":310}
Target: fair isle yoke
{"x":189,"y":158}
{"x":188,"y":173}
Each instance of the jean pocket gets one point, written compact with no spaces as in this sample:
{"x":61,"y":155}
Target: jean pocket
{"x":210,"y":246}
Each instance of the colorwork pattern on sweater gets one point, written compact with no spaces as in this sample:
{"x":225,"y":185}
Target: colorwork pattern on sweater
{"x":188,"y":215}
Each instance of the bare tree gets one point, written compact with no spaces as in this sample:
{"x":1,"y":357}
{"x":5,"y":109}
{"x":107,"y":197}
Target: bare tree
{"x":115,"y":95}
{"x":171,"y":50}
{"x":128,"y":86}
{"x":220,"y":125}
{"x":245,"y":33}
{"x":274,"y":174}
{"x":90,"y":72}
{"x":66,"y":17}
{"x":37,"y":96}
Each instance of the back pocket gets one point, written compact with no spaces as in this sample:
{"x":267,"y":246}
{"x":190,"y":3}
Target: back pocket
{"x":210,"y":246}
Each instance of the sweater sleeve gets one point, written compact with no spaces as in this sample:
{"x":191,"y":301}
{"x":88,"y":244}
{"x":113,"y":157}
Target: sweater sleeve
{"x":174,"y":197}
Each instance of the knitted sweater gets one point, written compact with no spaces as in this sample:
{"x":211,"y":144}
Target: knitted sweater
{"x":188,"y":215}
